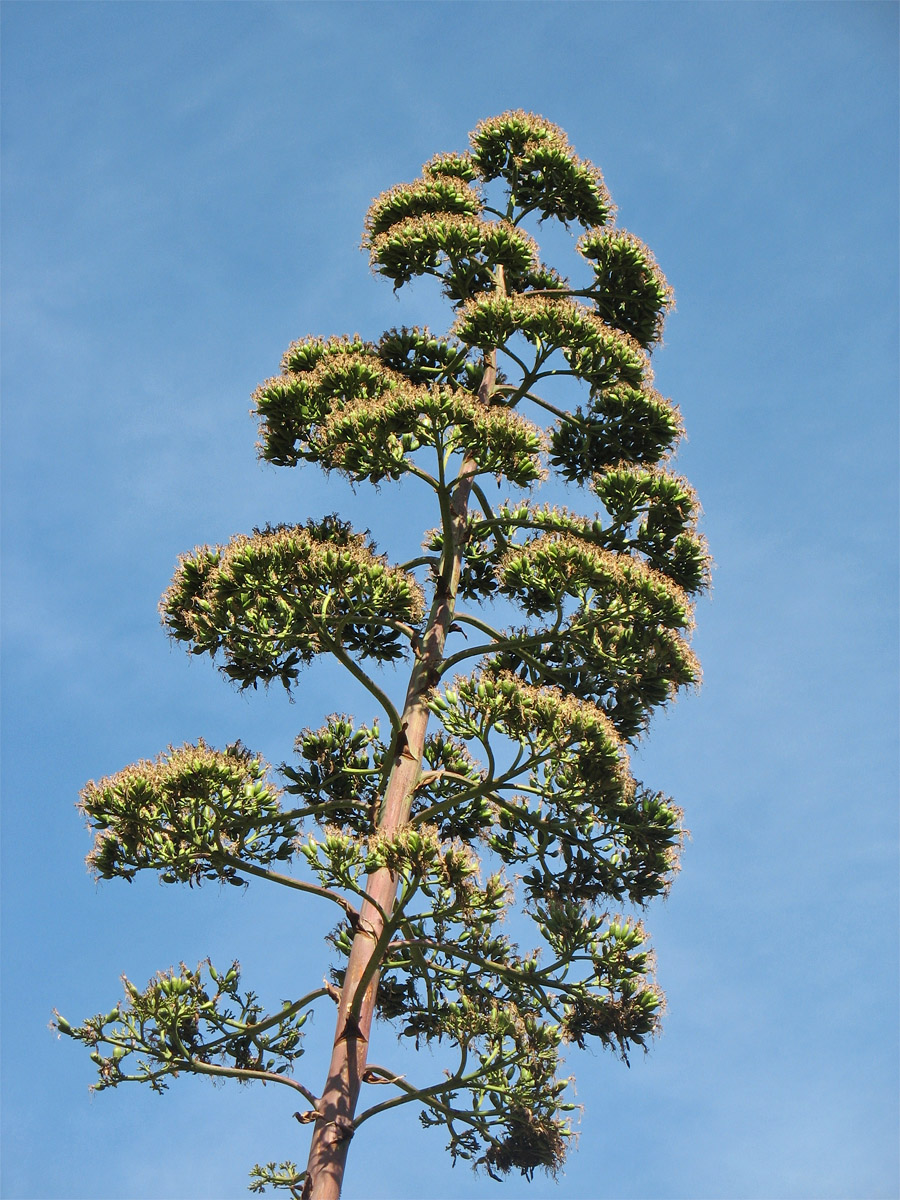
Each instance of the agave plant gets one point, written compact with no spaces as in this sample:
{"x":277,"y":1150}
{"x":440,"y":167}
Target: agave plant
{"x":499,"y":775}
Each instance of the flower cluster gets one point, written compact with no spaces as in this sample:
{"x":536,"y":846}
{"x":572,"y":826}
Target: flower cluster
{"x":540,"y":168}
{"x":183,"y":1022}
{"x":582,"y":825}
{"x":621,"y":424}
{"x":463,"y":251}
{"x":373,"y":439}
{"x":596,"y":353}
{"x":194,"y":813}
{"x":271,"y":602}
{"x":630,"y":291}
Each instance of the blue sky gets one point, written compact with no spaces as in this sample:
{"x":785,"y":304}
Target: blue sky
{"x":183,"y":194}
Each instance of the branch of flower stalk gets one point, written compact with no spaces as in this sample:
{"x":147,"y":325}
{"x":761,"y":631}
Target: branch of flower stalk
{"x":428,"y":777}
{"x":562,"y":292}
{"x":427,"y":1095}
{"x":411,"y":1093}
{"x":476,"y":1118}
{"x":412,"y":469}
{"x":247,"y":1074}
{"x":489,"y":515}
{"x":147,"y":1077}
{"x":197,"y":1066}
{"x":548,"y":675}
{"x":369,"y":684}
{"x":262,"y":1026}
{"x":424,"y":560}
{"x":527,"y":816}
{"x":551,"y":408}
{"x":536,"y":980}
{"x":444,"y":501}
{"x":498,"y":636}
{"x":509,"y":213}
{"x":381,"y":946}
{"x":458,"y":479}
{"x":488,"y":786}
{"x":299,"y":885}
{"x":523,"y":212}
{"x":428,"y":815}
{"x":517,"y":766}
{"x":520,"y":363}
{"x":503,"y":642}
{"x":556,"y":372}
{"x":422,"y":964}
{"x":336,"y":634}
{"x":296,"y":814}
{"x":529,"y":374}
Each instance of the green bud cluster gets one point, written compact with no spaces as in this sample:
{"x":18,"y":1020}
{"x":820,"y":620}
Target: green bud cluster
{"x":517,"y":1115}
{"x":554,"y":565}
{"x":339,"y":773}
{"x":271,"y":602}
{"x":422,"y":358}
{"x":654,"y":514}
{"x":584,"y":827}
{"x":598,"y":354}
{"x":652,"y":517}
{"x":182,"y":1021}
{"x":431,"y":194}
{"x":629,"y":290}
{"x":460,"y":250}
{"x":284,"y":1176}
{"x":374,"y":439}
{"x":621,"y":424}
{"x":541,"y":169}
{"x":187,"y":815}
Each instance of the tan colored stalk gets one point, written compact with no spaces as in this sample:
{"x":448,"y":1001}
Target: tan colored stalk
{"x":356,"y":1005}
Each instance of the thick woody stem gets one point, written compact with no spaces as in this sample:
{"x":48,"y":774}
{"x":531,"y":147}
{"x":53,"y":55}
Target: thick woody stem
{"x":356,"y":1006}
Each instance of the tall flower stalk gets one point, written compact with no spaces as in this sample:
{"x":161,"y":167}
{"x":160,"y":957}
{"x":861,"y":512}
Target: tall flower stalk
{"x":502,"y":778}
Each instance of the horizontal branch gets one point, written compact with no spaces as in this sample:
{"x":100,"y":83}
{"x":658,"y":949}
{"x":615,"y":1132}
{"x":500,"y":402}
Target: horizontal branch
{"x":289,"y":881}
{"x":502,"y":642}
{"x":537,"y":981}
{"x":368,"y":683}
{"x":251,"y":1031}
{"x":247,"y":1074}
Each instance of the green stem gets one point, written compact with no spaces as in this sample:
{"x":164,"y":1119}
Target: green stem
{"x":489,"y":515}
{"x":299,"y":885}
{"x":488,"y":787}
{"x":502,"y":642}
{"x":270,"y":1022}
{"x":384,"y":938}
{"x":424,"y":560}
{"x":369,"y":684}
{"x":420,"y":474}
{"x":551,"y":408}
{"x":423,"y":1095}
{"x":246,"y":1074}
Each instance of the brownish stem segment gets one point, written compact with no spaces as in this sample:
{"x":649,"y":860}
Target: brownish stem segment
{"x":356,"y":1006}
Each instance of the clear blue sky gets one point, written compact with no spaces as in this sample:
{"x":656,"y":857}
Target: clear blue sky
{"x":183,"y":188}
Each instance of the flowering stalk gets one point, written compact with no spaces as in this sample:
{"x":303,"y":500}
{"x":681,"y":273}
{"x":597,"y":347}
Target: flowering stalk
{"x":523,"y":761}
